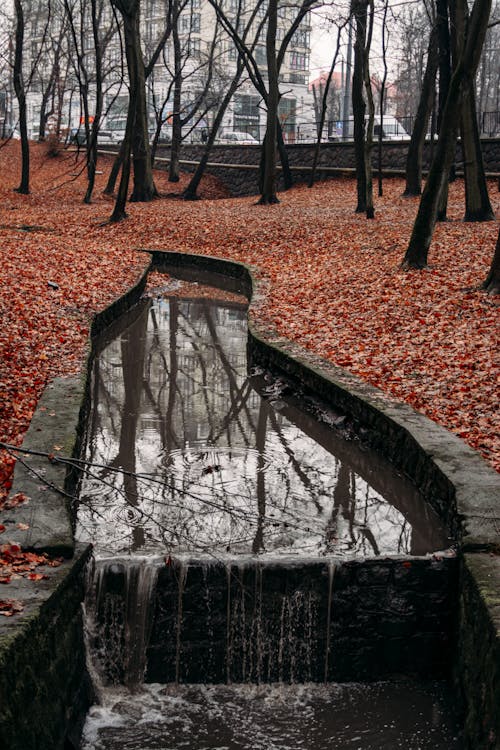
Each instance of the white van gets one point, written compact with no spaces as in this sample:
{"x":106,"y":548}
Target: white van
{"x":392,"y":130}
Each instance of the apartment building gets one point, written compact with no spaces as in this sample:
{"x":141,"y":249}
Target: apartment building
{"x":201,"y":53}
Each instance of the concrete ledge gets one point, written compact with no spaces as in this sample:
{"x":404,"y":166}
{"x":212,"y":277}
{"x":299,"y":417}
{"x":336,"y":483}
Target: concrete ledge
{"x":47,"y":512}
{"x":56,"y":428}
{"x":478,"y":652}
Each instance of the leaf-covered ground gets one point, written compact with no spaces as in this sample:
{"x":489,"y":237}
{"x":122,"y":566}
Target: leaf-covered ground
{"x":429,"y":338}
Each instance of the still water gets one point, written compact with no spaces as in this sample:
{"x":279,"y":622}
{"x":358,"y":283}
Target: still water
{"x":190,"y":454}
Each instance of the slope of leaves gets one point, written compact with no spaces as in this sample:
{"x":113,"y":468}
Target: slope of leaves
{"x":429,"y":338}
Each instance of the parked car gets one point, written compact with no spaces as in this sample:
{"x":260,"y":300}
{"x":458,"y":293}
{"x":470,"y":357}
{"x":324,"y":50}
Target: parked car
{"x":117,"y":126}
{"x":104,"y":137}
{"x":13,"y":133}
{"x":392,"y":130}
{"x":308,"y":133}
{"x":237,"y":138}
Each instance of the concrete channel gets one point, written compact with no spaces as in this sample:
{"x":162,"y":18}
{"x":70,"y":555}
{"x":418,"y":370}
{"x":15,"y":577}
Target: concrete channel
{"x":44,"y":690}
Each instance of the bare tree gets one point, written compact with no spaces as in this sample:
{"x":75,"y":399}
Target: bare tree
{"x":361,"y":87}
{"x":466,"y":67}
{"x":477,"y":202}
{"x":19,"y":88}
{"x":321,"y":107}
{"x":263,"y":81}
{"x":424,"y":110}
{"x":137,"y":135}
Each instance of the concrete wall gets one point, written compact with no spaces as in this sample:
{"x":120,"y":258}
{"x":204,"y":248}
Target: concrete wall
{"x":286,"y":621}
{"x":43,"y":690}
{"x":237,"y":166}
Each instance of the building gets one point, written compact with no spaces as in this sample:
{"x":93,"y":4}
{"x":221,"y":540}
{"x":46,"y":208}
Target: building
{"x":60,"y":53}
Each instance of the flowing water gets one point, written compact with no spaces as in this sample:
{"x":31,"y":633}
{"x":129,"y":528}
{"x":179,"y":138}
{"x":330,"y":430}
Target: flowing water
{"x":376,"y":716}
{"x":197,"y":469}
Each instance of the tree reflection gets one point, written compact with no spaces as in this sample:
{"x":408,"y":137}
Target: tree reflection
{"x":187,"y":455}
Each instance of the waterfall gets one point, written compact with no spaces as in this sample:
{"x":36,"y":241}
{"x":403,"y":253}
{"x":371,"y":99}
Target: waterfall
{"x":119,"y":611}
{"x":331,"y":573}
{"x":193,"y":621}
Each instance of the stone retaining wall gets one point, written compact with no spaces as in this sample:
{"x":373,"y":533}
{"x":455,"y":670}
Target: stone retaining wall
{"x":304,"y":622}
{"x":237,"y":166}
{"x":44,"y":693}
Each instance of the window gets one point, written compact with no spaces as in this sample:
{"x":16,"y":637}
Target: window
{"x":262,"y":10}
{"x":232,"y":53}
{"x":260,"y":54}
{"x":195,"y":22}
{"x":301,"y":38}
{"x":194,"y":48}
{"x":287,"y":111}
{"x":247,"y":105}
{"x":299,"y":60}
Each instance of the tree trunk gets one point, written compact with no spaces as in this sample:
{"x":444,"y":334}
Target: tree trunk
{"x":190,"y":192}
{"x":492,"y":282}
{"x":370,"y":209}
{"x":444,"y":64}
{"x":445,"y":71}
{"x":24,"y":185}
{"x":424,"y":111}
{"x":359,"y":10}
{"x":477,"y":201}
{"x":115,"y":170}
{"x":119,"y":212}
{"x":175,"y":146}
{"x":286,"y":172}
{"x":423,"y":228}
{"x":144,"y":188}
{"x":92,"y":143}
{"x":321,"y":110}
{"x":382,"y":100}
{"x":268,"y":190}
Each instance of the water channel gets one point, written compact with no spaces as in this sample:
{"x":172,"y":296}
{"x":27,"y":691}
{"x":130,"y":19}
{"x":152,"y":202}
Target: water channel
{"x":205,"y":482}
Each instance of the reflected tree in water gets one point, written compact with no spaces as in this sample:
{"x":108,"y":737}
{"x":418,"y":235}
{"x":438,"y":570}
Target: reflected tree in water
{"x":190,"y":453}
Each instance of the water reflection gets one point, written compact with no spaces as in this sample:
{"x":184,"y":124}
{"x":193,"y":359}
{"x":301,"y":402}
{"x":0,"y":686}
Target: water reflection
{"x":189,"y":453}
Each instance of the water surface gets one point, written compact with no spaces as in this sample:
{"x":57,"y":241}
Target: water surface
{"x":190,"y":453}
{"x":377,"y":716}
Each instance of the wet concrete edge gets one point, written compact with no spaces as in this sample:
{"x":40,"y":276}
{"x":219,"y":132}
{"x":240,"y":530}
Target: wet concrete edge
{"x":43,"y":690}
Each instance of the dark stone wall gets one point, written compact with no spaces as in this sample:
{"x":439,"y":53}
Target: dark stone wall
{"x":291,"y":621}
{"x":237,"y":166}
{"x":477,"y":665}
{"x":43,"y":691}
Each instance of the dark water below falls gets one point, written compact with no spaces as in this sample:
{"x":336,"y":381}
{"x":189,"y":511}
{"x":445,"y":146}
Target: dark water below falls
{"x":192,"y":457}
{"x":378,"y":716}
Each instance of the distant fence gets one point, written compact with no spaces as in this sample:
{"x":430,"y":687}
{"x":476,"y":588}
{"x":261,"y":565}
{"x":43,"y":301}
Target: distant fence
{"x":394,"y":128}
